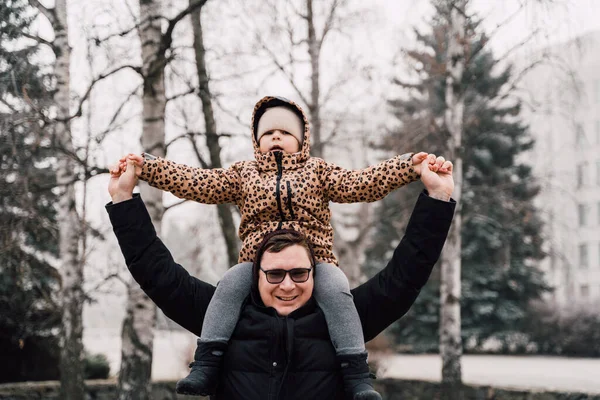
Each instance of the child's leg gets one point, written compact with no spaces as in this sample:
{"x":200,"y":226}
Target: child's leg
{"x":332,"y":292}
{"x":219,"y":322}
{"x":225,"y":306}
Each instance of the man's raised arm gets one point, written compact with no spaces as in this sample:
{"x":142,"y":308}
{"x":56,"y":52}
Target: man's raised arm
{"x":182,"y":297}
{"x":390,"y":293}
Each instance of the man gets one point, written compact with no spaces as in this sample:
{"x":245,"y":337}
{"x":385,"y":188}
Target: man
{"x":281,"y":348}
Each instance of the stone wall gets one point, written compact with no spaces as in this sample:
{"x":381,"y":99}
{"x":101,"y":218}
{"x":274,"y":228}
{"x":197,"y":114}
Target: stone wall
{"x":390,"y":389}
{"x":96,"y":390}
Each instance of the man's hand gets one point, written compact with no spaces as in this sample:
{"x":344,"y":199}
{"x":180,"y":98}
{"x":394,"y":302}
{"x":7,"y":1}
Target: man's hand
{"x":436,"y":175}
{"x":137,"y":159}
{"x":121,"y":184}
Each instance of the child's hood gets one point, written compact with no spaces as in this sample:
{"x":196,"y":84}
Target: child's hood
{"x":267,"y":160}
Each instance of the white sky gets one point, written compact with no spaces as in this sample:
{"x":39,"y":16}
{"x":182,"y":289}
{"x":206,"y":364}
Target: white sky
{"x":559,"y":21}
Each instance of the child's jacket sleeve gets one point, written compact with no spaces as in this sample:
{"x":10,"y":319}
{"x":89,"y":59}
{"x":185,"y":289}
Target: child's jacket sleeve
{"x":370,"y":184}
{"x":208,"y":186}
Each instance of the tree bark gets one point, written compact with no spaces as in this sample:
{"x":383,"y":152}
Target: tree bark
{"x":314,"y":52}
{"x":450,"y":322}
{"x":71,"y":346}
{"x":140,"y":319}
{"x":212,"y":138}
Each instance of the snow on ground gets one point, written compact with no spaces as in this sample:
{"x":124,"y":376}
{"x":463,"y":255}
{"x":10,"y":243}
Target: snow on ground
{"x":511,"y":372}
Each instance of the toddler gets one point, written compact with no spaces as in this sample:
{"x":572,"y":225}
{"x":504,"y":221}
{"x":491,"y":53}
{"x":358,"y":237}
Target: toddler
{"x":283,"y":188}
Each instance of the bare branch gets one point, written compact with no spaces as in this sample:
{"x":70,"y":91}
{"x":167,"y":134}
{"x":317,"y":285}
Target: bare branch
{"x":167,"y":37}
{"x":91,"y":86}
{"x":48,"y":13}
{"x":114,"y":275}
{"x":203,"y":163}
{"x":506,"y":20}
{"x":8,"y":105}
{"x":175,"y":205}
{"x":127,"y":31}
{"x":38,"y":39}
{"x":328,"y":23}
{"x":281,"y":68}
{"x":330,"y":91}
{"x":519,"y":45}
{"x":110,"y":127}
{"x":191,"y":90}
{"x":514,"y":83}
{"x":298,"y":12}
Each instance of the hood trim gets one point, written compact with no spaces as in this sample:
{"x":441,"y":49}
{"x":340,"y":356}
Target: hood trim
{"x":267,"y":162}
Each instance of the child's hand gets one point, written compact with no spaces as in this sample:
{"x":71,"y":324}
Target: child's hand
{"x":417,"y":159}
{"x":138,"y":161}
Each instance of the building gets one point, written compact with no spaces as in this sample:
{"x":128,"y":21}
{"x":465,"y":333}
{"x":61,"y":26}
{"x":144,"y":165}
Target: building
{"x":564,"y":117}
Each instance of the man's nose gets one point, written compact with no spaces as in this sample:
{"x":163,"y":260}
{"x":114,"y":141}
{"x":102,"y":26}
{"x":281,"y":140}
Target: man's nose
{"x":287,"y":283}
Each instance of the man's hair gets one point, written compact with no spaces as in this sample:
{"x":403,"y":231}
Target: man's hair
{"x":277,"y":241}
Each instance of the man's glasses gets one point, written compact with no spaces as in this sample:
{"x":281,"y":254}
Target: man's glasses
{"x":298,"y":275}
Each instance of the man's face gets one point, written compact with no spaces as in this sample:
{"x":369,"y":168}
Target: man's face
{"x":287,"y":296}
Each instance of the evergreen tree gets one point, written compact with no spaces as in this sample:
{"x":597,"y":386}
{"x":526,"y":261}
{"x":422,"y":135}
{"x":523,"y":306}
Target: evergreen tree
{"x":501,"y":234}
{"x":29,"y":317}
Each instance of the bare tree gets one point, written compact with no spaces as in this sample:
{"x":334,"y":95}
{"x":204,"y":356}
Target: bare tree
{"x":450,"y":338}
{"x":212,"y":137}
{"x":138,"y":333}
{"x":71,"y":348}
{"x":140,"y":316}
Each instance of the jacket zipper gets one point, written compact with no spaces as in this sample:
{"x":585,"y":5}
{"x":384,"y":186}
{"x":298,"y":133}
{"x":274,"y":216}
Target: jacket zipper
{"x":289,"y":200}
{"x":288,"y":335}
{"x":278,"y":159}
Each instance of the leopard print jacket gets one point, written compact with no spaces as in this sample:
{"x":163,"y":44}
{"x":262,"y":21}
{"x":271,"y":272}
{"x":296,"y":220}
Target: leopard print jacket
{"x":277,"y":190}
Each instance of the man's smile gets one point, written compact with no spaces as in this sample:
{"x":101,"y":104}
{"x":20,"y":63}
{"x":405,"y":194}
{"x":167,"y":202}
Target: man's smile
{"x":286,"y":298}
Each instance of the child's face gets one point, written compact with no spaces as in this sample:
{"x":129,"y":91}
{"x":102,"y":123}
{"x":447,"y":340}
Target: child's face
{"x":278,"y":140}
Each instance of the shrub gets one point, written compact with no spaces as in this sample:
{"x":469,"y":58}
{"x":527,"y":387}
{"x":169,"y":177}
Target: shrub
{"x":574,"y":333}
{"x":96,"y":366}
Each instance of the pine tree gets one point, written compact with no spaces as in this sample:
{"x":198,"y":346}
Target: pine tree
{"x":28,"y":240}
{"x":501,"y":232}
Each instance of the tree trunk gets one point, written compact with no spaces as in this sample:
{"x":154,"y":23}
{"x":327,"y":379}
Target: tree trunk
{"x":450,"y":335}
{"x":314,"y":52}
{"x":212,"y":139}
{"x":71,"y":270}
{"x":351,"y":253}
{"x":140,"y":319}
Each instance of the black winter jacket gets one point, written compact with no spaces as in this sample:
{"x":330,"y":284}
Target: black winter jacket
{"x":270,"y":357}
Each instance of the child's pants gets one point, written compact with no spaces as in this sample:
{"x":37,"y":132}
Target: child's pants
{"x":332,"y":292}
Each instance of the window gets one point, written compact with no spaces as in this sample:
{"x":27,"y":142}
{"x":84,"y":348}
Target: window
{"x":580,"y":139}
{"x":583,"y":255}
{"x":570,"y":290}
{"x":580,"y":175}
{"x":581,"y":214}
{"x":584,"y":291}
